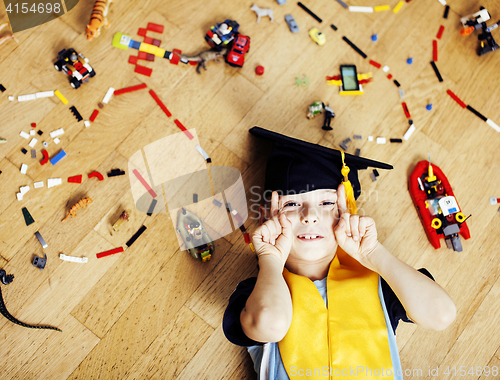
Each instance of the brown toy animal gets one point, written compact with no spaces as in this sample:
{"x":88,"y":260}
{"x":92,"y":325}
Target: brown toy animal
{"x":205,"y":56}
{"x":98,"y":19}
{"x":82,"y":203}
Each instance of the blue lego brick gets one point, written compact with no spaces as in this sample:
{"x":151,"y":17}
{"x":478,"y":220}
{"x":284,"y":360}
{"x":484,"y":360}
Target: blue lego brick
{"x":54,"y":160}
{"x":134,"y":44}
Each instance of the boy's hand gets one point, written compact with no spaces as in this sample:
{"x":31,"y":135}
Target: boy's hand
{"x":274,"y":237}
{"x":356,"y":235}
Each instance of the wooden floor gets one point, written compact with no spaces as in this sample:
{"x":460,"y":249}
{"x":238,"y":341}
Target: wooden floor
{"x":153,"y":311}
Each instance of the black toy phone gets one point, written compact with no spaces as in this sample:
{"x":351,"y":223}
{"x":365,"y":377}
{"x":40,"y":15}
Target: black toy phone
{"x":349,"y":78}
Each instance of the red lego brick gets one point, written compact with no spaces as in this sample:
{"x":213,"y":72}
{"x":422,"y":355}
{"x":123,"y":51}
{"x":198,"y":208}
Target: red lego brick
{"x":75,"y":179}
{"x":130,"y":89}
{"x":456,"y":98}
{"x":45,"y":157}
{"x":155,"y":27}
{"x":376,"y":64}
{"x":183,"y":129}
{"x":132,"y":59}
{"x":150,"y":57}
{"x":434,"y":50}
{"x":110,"y":252}
{"x":175,"y":58}
{"x":247,"y":238}
{"x":148,"y":40}
{"x":440,"y":32}
{"x":142,"y":55}
{"x":405,"y":108}
{"x":33,"y":125}
{"x":193,"y":63}
{"x":143,"y":70}
{"x":389,"y":76}
{"x":94,"y":115}
{"x":144,"y":183}
{"x":97,"y":175}
{"x":142,"y":32}
{"x":160,"y":103}
{"x":156,"y":42}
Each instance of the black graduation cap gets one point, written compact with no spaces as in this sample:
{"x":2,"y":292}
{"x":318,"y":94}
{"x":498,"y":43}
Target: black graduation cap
{"x":296,"y":166}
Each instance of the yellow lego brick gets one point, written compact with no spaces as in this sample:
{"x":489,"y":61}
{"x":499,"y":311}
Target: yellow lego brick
{"x":365,"y":76}
{"x":148,"y":48}
{"x":398,"y":7}
{"x":334,"y":82}
{"x":60,"y":96}
{"x":381,"y":8}
{"x":351,"y":93}
{"x":159,"y":52}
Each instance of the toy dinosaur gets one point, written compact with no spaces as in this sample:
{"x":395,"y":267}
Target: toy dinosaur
{"x":7,"y":279}
{"x":205,"y":56}
{"x":5,"y":38}
{"x":81,"y":203}
{"x":98,"y":19}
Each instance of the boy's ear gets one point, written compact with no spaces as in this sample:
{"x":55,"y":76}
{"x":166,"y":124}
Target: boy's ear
{"x":263,"y":215}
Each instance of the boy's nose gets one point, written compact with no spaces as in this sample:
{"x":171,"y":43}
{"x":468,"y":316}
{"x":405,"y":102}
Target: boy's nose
{"x":309,"y":216}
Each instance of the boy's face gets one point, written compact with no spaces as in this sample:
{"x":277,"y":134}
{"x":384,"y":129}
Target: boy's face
{"x":313,"y":216}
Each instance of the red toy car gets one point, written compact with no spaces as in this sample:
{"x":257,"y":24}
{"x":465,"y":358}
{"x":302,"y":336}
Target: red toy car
{"x":437,"y":207}
{"x":236,"y":56}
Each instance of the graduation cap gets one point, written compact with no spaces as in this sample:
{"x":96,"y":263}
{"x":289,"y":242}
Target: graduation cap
{"x":295,"y":166}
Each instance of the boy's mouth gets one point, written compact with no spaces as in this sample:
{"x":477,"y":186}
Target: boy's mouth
{"x":309,"y":237}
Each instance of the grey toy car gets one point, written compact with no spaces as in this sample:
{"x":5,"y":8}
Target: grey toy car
{"x":294,"y":28}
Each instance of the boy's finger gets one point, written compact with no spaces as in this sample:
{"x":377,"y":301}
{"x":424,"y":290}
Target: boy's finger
{"x":354,"y":221}
{"x":274,"y":204}
{"x":341,"y":202}
{"x":363,"y":223}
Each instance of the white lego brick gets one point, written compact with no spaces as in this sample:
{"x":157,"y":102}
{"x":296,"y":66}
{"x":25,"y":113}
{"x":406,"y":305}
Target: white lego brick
{"x":57,"y":132}
{"x":73,"y":259}
{"x":370,"y":138}
{"x":401,"y":93}
{"x":32,"y":132}
{"x":108,"y":95}
{"x":381,"y":140}
{"x":38,"y":184}
{"x":33,"y":142}
{"x":56,"y":140}
{"x":409,"y":132}
{"x":385,"y":69}
{"x":202,"y":152}
{"x":86,"y":123}
{"x":23,"y":98}
{"x":24,"y":169}
{"x":360,"y":9}
{"x":443,"y":2}
{"x":493,"y":125}
{"x":25,"y":135}
{"x":44,"y":94}
{"x":19,"y":196}
{"x":24,"y":189}
{"x":51,"y":182}
{"x":11,"y":98}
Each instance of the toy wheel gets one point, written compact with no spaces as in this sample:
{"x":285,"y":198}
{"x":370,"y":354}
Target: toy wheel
{"x":183,"y":211}
{"x":58,"y":65}
{"x":460,"y":217}
{"x":92,"y":73}
{"x":436,"y":223}
{"x":75,"y":83}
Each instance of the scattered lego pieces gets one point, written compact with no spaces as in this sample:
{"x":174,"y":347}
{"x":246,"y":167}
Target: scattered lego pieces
{"x":405,"y":108}
{"x":343,"y":4}
{"x":40,"y":133}
{"x":81,"y":260}
{"x":38,"y":184}
{"x":311,"y":13}
{"x":109,"y":253}
{"x":94,"y":115}
{"x":24,"y":169}
{"x":360,"y":9}
{"x":370,"y":138}
{"x":376,"y":64}
{"x":56,"y":140}
{"x":143,"y":70}
{"x":216,"y":202}
{"x":32,"y":133}
{"x":259,"y":70}
{"x":24,"y":98}
{"x":373,"y":177}
{"x":130,"y":89}
{"x":358,"y":50}
{"x":108,"y":95}
{"x":385,"y":69}
{"x":183,"y":129}
{"x":27,"y":216}
{"x":456,"y":98}
{"x":203,"y":153}
{"x":2,"y":88}
{"x":398,"y":7}
{"x":136,"y":236}
{"x":195,"y":198}
{"x":51,"y":182}
{"x":358,"y":137}
{"x":381,"y":140}
{"x":33,"y":153}
{"x":24,"y":151}
{"x":398,"y":141}
{"x":381,"y":8}
{"x":33,"y":125}
{"x":57,"y":132}
{"x":33,"y":142}
{"x":86,"y":123}
{"x":97,"y":175}
{"x":39,"y":262}
{"x":333,"y":27}
{"x":152,"y":207}
{"x":54,"y":160}
{"x":438,"y":74}
{"x":144,"y":183}
{"x":357,"y":152}
{"x":75,"y":179}
{"x":160,"y":103}
{"x":41,"y":240}
{"x":428,"y":107}
{"x":116,"y":172}
{"x":409,"y":60}
{"x":401,"y":93}
{"x":155,"y":27}
{"x":61,"y":97}
{"x":76,"y":113}
{"x":82,"y":203}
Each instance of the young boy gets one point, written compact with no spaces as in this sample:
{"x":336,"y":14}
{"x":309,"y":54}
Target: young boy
{"x":319,"y":307}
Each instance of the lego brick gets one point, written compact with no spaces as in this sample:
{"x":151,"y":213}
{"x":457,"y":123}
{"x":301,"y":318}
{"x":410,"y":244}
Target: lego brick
{"x":24,"y":189}
{"x":94,"y":115}
{"x":24,"y":168}
{"x":405,"y":108}
{"x":56,"y":140}
{"x":143,"y":70}
{"x":493,"y":125}
{"x":446,"y":11}
{"x":40,"y":132}
{"x":152,"y":207}
{"x":176,"y":53}
{"x":33,"y":153}
{"x":381,"y":8}
{"x":438,"y":74}
{"x":72,"y":259}
{"x":136,"y":236}
{"x":440,"y":32}
{"x":135,"y":44}
{"x":358,"y":137}
{"x":76,"y":113}
{"x":39,"y":262}
{"x":24,"y":98}
{"x":27,"y":216}
{"x":144,"y":183}
{"x":343,"y":146}
{"x":247,"y":238}
{"x":150,"y":57}
{"x":401,"y":93}
{"x":45,"y":157}
{"x":360,"y":9}
{"x":443,"y":2}
{"x":398,"y":141}
{"x":373,"y":177}
{"x":24,"y":151}
{"x":38,"y":184}
{"x":142,"y":55}
{"x":156,"y":42}
{"x":148,"y":40}
{"x":397,"y":8}
{"x":41,"y":240}
{"x":108,"y":95}
{"x":96,"y":174}
{"x":333,"y":27}
{"x":375,"y":171}
{"x":456,"y":98}
{"x":228,"y":207}
{"x":396,"y":83}
{"x":160,"y":103}
{"x":357,"y":152}
{"x":216,"y":202}
{"x":347,"y":140}
{"x":183,"y":129}
{"x":381,"y":140}
{"x":24,"y":135}
{"x":57,"y":132}
{"x":86,"y":123}
{"x":133,"y":59}
{"x":376,"y":64}
{"x":61,"y":97}
{"x":409,"y":132}
{"x":51,"y":182}
{"x":142,"y":32}
{"x":130,"y":89}
{"x":33,"y":125}
{"x":203,"y":153}
{"x":155,"y":27}
{"x":109,"y":253}
{"x":44,"y":94}
{"x":385,"y":69}
{"x":32,"y":133}
{"x":343,"y":4}
{"x":358,"y":50}
{"x":434,"y":50}
{"x":195,"y":198}
{"x":75,"y":179}
{"x":54,"y":160}
{"x":167,"y":54}
{"x":311,"y":13}
{"x":116,"y":172}
{"x":33,"y":142}
{"x":2,"y":88}
{"x":19,"y":196}
{"x":370,"y":138}
{"x":479,"y":115}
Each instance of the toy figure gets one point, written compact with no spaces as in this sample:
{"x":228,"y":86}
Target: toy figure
{"x":477,"y":21}
{"x":262,"y":12}
{"x":222,"y":34}
{"x":329,"y":114}
{"x":194,"y":235}
{"x":82,"y":203}
{"x":205,"y":56}
{"x":98,"y":18}
{"x":5,"y":38}
{"x":125,"y":216}
{"x":315,"y":109}
{"x":75,"y":65}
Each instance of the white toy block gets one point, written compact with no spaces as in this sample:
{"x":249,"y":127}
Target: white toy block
{"x":25,"y":135}
{"x":385,"y":69}
{"x":381,"y":140}
{"x":73,"y":259}
{"x":360,"y":9}
{"x":24,"y":169}
{"x":38,"y":184}
{"x":44,"y":94}
{"x":51,"y":182}
{"x":32,"y":132}
{"x":23,"y":98}
{"x":493,"y":125}
{"x":56,"y":140}
{"x":24,"y":189}
{"x":409,"y":132}
{"x":108,"y":95}
{"x":11,"y":98}
{"x":33,"y":142}
{"x":86,"y":123}
{"x":19,"y":196}
{"x":370,"y":138}
{"x":57,"y":132}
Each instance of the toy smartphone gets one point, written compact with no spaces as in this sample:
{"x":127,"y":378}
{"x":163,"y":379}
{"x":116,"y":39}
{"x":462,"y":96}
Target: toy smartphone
{"x":349,"y":78}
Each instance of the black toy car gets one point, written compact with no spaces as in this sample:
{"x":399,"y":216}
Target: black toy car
{"x":75,"y":65}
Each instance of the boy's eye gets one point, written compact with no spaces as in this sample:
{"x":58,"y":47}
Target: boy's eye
{"x":328,"y":203}
{"x":291,"y":204}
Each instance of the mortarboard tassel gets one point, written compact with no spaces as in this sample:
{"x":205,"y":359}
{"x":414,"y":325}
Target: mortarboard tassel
{"x":349,"y":192}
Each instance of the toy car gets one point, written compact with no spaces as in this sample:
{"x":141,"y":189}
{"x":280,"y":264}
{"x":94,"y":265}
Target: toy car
{"x":75,"y":65}
{"x":222,"y":33}
{"x":195,"y":236}
{"x":292,"y":25}
{"x":317,"y":36}
{"x":437,"y":207}
{"x":236,"y":56}
{"x":476,"y":21}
